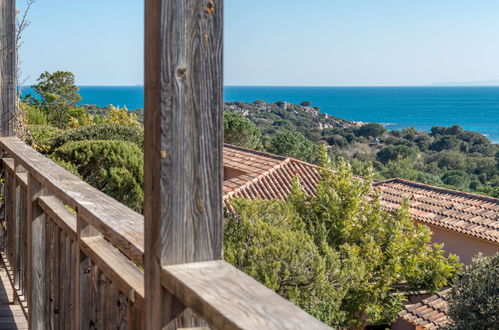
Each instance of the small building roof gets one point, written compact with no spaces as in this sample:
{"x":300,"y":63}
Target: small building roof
{"x":267,"y":176}
{"x":430,"y":313}
{"x":466,"y":213}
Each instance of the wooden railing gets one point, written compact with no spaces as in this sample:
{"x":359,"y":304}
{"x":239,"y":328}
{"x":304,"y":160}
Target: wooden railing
{"x":75,"y":259}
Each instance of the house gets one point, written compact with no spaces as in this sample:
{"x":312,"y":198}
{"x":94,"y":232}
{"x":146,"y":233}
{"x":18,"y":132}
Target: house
{"x":464,"y":223}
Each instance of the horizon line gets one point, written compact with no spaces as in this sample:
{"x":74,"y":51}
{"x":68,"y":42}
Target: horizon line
{"x":312,"y":86}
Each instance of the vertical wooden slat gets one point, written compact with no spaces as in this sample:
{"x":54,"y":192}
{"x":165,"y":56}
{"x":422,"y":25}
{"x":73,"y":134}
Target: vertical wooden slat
{"x":183,"y":139}
{"x":36,"y":261}
{"x":55,"y":286}
{"x":73,"y":285}
{"x":83,"y":315}
{"x":64,"y":271}
{"x":101,"y":310}
{"x":7,"y":66}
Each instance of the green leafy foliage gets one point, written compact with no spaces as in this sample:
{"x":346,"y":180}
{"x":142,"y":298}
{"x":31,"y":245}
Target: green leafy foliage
{"x":456,"y":178}
{"x":269,"y":241}
{"x":40,"y":136}
{"x":371,"y":130}
{"x":240,"y":131}
{"x":392,"y":153}
{"x":414,"y":155}
{"x":292,"y":144}
{"x":34,"y":115}
{"x":59,"y":96}
{"x":474,"y":299}
{"x":131,"y":134}
{"x":114,"y":167}
{"x":355,"y":239}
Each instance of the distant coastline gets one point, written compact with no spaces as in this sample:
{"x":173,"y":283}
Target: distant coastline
{"x":474,"y":108}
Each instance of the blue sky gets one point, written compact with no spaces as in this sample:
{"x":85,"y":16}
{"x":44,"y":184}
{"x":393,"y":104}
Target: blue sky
{"x":282,"y":42}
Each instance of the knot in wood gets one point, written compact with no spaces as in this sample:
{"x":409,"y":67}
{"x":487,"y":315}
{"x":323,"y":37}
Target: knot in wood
{"x":210,"y":7}
{"x":181,"y":72}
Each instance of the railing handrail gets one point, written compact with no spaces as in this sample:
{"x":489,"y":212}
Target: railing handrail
{"x":222,"y":295}
{"x":122,"y":226}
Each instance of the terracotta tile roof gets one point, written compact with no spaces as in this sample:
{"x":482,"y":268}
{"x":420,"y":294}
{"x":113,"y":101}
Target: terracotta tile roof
{"x":430,"y":313}
{"x":268,"y":176}
{"x":466,"y":213}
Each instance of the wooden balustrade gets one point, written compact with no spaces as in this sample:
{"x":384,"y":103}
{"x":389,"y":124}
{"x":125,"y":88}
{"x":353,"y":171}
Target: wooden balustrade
{"x":73,"y":251}
{"x":75,"y":254}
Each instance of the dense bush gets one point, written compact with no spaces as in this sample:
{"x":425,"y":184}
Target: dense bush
{"x":114,"y":167}
{"x":40,"y":136}
{"x":240,"y":131}
{"x":101,"y":132}
{"x":456,"y":178}
{"x":292,"y":144}
{"x":391,"y":153}
{"x":371,"y":130}
{"x":338,"y":254}
{"x":474,"y":299}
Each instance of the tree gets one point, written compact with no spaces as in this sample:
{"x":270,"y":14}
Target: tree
{"x":306,"y":103}
{"x":371,"y":130}
{"x":367,"y":252}
{"x":446,"y":142}
{"x":59,"y":96}
{"x":393,"y":153}
{"x":474,"y":299}
{"x":114,"y":167}
{"x":292,"y":144}
{"x":456,"y":178}
{"x":268,"y":241}
{"x":240,"y":131}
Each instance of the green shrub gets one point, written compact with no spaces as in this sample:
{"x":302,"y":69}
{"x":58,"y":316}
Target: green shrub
{"x":41,"y":135}
{"x":393,"y":153}
{"x":114,"y":167}
{"x":34,"y":115}
{"x":474,"y":299}
{"x":240,"y":131}
{"x":371,"y":130}
{"x":101,"y":132}
{"x":292,"y":144}
{"x":456,"y":178}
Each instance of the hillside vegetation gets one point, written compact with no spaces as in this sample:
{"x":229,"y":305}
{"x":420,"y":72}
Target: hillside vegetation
{"x":447,"y":156}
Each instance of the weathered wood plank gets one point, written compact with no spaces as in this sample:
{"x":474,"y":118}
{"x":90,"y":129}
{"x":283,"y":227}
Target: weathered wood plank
{"x":229,"y":299}
{"x":126,"y":276}
{"x":8,"y":164}
{"x":118,"y":223}
{"x":8,"y":66}
{"x":183,"y":141}
{"x":37,"y":268}
{"x":22,"y":178}
{"x":59,"y":214}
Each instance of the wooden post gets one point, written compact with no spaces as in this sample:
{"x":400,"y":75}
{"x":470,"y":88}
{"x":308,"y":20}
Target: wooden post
{"x":7,"y":66}
{"x":183,"y":142}
{"x":37,"y":302}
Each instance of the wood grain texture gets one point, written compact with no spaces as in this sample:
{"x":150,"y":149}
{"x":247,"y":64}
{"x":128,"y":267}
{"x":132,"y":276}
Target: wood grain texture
{"x":229,"y":299}
{"x":118,"y":223}
{"x":37,"y":299}
{"x":183,"y":139}
{"x":8,"y":66}
{"x":126,"y":276}
{"x":59,"y":214}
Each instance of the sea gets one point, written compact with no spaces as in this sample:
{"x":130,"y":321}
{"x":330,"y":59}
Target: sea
{"x":474,"y":108}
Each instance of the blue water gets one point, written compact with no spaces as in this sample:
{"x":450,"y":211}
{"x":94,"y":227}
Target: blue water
{"x":474,"y":108}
